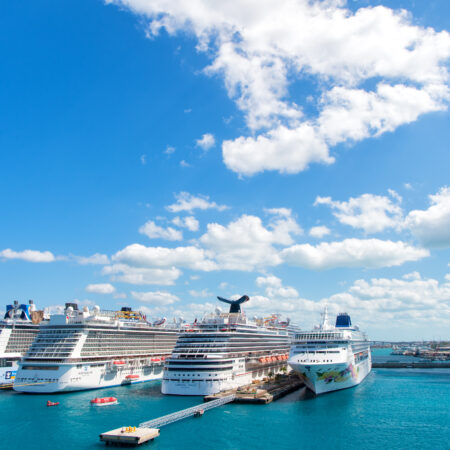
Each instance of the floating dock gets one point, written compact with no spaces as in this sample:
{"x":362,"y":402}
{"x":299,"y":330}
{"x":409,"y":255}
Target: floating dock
{"x":262,"y":392}
{"x":129,"y":436}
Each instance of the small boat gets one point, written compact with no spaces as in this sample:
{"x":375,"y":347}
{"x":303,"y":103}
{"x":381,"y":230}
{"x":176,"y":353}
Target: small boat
{"x":199,"y":413}
{"x":49,"y":403}
{"x":104,"y":401}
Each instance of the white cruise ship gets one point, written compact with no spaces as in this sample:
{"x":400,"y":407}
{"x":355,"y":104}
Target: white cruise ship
{"x":331,"y":357}
{"x":87,"y":350}
{"x":225,"y":351}
{"x":17,"y":331}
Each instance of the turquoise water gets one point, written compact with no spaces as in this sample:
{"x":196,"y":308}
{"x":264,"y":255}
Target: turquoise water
{"x":405,"y":408}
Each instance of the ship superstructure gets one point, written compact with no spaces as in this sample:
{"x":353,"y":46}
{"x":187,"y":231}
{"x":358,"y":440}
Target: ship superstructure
{"x":224,"y":351}
{"x":93,"y":349}
{"x":18,"y":329}
{"x":331,"y":357}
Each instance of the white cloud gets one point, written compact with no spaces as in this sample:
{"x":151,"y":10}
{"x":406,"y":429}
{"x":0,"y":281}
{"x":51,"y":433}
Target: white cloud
{"x":34,"y":256}
{"x":319,"y":231}
{"x":246,"y":243}
{"x":189,"y":222}
{"x":369,"y":253}
{"x":206,"y":142}
{"x":204,"y":293}
{"x":96,"y":258}
{"x":143,"y":159}
{"x":432,"y":226}
{"x":371,"y":213}
{"x":142,"y":275}
{"x":100,"y":288}
{"x":183,"y":163}
{"x":169,"y":150}
{"x":190,"y":257}
{"x":259,"y":49}
{"x":155,"y":297}
{"x":189,"y":202}
{"x":154,"y":231}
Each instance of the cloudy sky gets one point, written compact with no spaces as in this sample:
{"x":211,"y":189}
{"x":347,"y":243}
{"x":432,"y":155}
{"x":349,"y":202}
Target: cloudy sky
{"x":157,"y":153}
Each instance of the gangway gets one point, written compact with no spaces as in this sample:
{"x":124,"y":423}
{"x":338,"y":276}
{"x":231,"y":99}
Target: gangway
{"x":179,"y":415}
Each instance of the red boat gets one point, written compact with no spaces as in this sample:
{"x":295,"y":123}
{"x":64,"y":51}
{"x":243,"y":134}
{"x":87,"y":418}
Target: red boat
{"x":49,"y":403}
{"x":104,"y":401}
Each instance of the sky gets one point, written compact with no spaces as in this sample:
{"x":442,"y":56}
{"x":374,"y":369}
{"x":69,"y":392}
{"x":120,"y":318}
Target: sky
{"x":156,"y":154}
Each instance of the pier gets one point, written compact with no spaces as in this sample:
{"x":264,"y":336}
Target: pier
{"x":411,"y":365}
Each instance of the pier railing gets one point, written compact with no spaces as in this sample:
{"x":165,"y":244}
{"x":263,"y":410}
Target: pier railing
{"x":179,"y":415}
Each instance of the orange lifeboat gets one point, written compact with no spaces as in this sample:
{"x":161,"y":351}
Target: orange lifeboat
{"x":132,"y":377}
{"x":261,"y":360}
{"x":119,"y":363}
{"x":104,"y":401}
{"x":279,"y":358}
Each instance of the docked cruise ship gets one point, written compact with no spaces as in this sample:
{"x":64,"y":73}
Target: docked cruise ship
{"x":93,"y":349}
{"x":224,"y":351}
{"x":17,"y":331}
{"x":331,"y":357}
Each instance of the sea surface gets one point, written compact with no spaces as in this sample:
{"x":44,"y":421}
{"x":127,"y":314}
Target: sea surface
{"x":391,"y":409}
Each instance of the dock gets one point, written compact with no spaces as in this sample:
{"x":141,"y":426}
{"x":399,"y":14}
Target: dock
{"x":262,"y":392}
{"x":411,"y":365}
{"x":129,"y":436}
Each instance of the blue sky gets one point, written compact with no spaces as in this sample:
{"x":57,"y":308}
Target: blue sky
{"x":308,"y":148}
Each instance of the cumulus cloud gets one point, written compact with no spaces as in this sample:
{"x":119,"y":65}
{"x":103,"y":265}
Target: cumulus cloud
{"x":137,"y":255}
{"x":96,"y":258}
{"x":34,"y":256}
{"x":206,"y":142}
{"x":371,"y":213}
{"x":369,"y":253}
{"x":189,"y":222}
{"x":246,"y":243}
{"x":189,"y":202}
{"x":319,"y":231}
{"x":142,"y":275}
{"x":100,"y":288}
{"x":374,"y":70}
{"x":432,"y":226}
{"x":155,"y":297}
{"x":204,"y":293}
{"x":153,"y":231}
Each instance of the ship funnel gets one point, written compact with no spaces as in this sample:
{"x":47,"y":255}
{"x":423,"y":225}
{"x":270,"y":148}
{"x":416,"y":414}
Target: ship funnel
{"x":235,"y":305}
{"x":343,"y":321}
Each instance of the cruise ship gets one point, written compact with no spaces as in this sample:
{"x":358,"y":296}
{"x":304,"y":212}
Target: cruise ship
{"x":84,"y":349}
{"x":226,"y":350}
{"x":331,"y":357}
{"x":17,"y":331}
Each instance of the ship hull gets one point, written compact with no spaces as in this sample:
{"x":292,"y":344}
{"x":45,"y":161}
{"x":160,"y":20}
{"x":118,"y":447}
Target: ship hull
{"x":199,"y":384}
{"x":67,"y":378}
{"x":7,"y":376}
{"x":323,"y":378}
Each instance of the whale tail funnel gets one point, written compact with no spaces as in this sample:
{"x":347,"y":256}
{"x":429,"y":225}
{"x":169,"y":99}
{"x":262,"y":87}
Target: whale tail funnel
{"x":235,"y":305}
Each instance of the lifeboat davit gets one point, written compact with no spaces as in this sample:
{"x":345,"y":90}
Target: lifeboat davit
{"x":49,"y":403}
{"x":132,"y":377}
{"x":104,"y":401}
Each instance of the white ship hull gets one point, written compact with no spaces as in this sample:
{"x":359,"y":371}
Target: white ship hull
{"x":322,"y":378}
{"x":7,"y":376}
{"x":201,"y":385}
{"x":72,"y":377}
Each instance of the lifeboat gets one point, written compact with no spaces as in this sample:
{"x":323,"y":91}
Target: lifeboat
{"x":157,"y":359}
{"x":279,"y":358}
{"x":104,"y":401}
{"x":261,"y":360}
{"x":163,"y":358}
{"x":49,"y":403}
{"x":118,"y":363}
{"x":223,"y":329}
{"x":132,"y":377}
